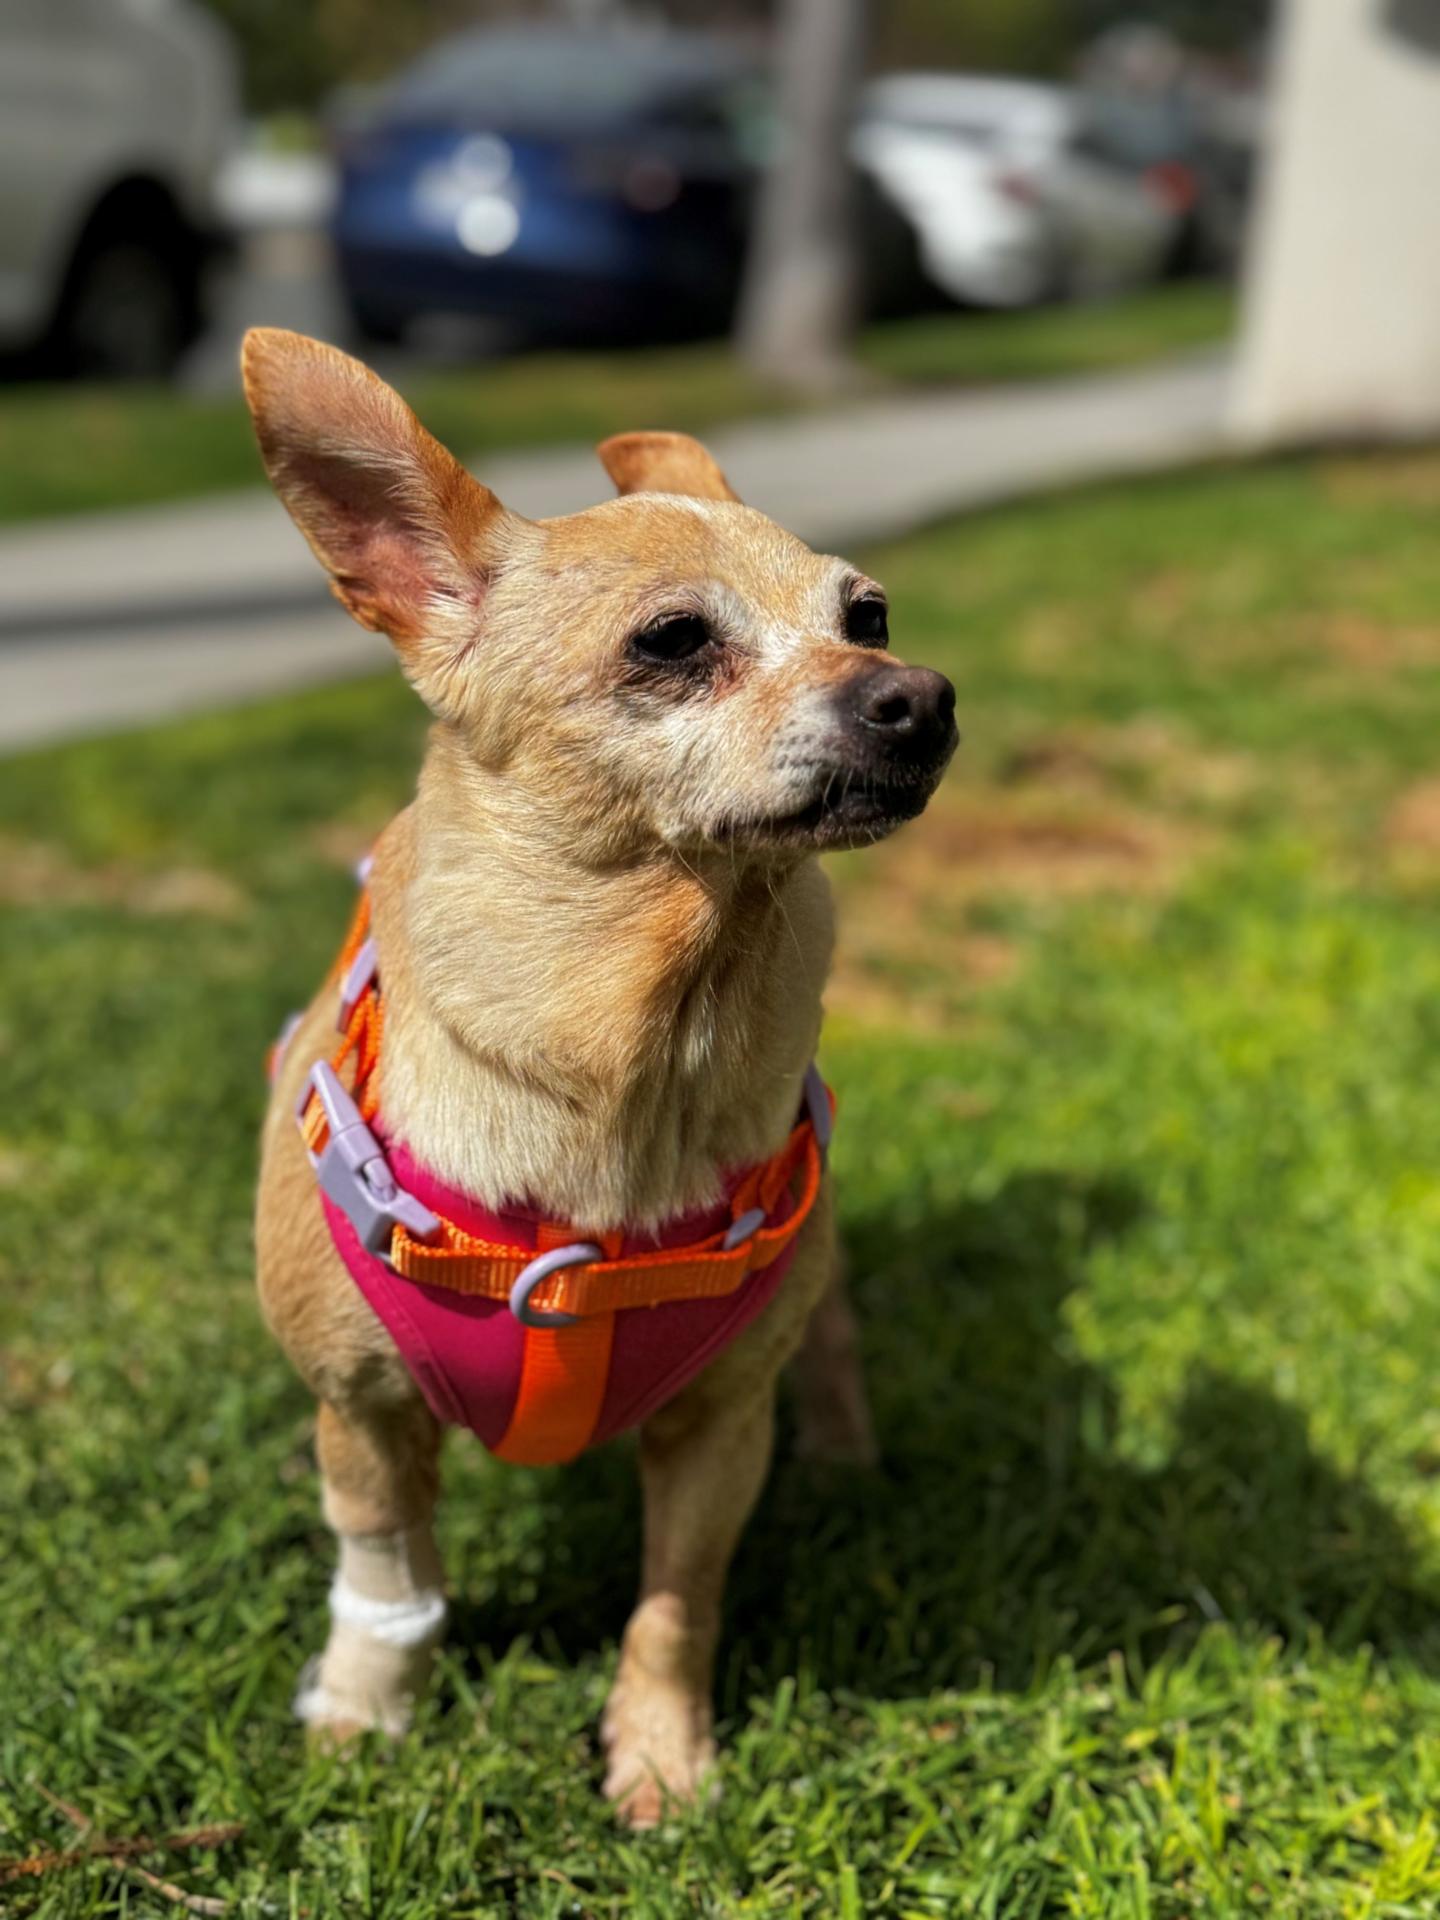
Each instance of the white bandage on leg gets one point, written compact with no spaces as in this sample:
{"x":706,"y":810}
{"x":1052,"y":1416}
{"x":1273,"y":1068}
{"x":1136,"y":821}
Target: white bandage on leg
{"x":387,"y":1614}
{"x":395,"y":1623}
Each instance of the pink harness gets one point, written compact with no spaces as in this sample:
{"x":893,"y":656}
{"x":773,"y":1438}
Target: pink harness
{"x":540,"y":1342}
{"x":465,"y":1353}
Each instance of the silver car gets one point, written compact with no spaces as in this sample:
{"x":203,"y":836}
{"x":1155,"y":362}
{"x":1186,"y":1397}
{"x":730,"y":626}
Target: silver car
{"x":1012,"y":190}
{"x":114,"y":116}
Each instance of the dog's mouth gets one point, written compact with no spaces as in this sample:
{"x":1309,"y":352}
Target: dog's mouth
{"x":849,"y":811}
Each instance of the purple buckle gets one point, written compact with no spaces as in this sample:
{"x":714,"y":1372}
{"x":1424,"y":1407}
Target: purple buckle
{"x":358,"y":976}
{"x":747,"y":1225}
{"x":817,"y":1105}
{"x":541,"y":1268}
{"x":354,"y":1173}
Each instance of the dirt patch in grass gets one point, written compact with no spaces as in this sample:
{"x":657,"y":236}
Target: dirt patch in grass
{"x":1106,"y":761}
{"x":34,"y":874}
{"x":913,"y":946}
{"x":1412,"y":826}
{"x":1402,"y":479}
{"x":1161,"y":599}
{"x":882,"y":981}
{"x":1052,"y":636}
{"x":17,"y":1169}
{"x":1371,"y":645}
{"x":1073,"y":762}
{"x":1017,"y":843}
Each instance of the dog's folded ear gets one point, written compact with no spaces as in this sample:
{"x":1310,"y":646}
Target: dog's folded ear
{"x":410,"y":540}
{"x":663,"y":463}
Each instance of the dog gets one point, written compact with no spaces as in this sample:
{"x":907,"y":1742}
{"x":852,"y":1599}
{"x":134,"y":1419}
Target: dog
{"x":572,"y":1147}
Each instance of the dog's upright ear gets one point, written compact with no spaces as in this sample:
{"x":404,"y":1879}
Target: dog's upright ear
{"x":409,"y":539}
{"x":663,"y":463}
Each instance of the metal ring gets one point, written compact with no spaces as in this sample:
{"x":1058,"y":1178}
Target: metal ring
{"x":541,"y":1268}
{"x":748,"y":1224}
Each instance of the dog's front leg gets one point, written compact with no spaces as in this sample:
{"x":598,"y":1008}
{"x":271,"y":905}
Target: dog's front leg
{"x":702,"y":1465}
{"x":387,"y":1607}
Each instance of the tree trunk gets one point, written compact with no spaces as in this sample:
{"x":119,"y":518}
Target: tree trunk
{"x":1341,"y":332}
{"x":799,"y":304}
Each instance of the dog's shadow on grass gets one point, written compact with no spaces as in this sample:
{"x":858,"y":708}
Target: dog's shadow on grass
{"x":1006,"y":1525}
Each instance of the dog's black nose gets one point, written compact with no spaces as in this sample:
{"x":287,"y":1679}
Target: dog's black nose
{"x":909,"y":710}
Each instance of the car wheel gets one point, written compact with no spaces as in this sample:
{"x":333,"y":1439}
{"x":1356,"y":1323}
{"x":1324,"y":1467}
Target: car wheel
{"x":130,"y":304}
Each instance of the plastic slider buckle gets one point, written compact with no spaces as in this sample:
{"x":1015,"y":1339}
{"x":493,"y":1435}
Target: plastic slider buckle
{"x":540,"y":1268}
{"x":743,"y":1229}
{"x":358,"y":976}
{"x":354,"y":1173}
{"x":817,"y":1106}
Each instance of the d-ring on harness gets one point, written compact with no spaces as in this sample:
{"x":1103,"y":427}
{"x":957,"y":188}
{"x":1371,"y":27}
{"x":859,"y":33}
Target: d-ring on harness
{"x":579,"y":1362}
{"x":584,"y":1252}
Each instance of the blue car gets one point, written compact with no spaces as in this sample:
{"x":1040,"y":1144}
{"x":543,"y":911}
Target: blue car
{"x":577,"y":185}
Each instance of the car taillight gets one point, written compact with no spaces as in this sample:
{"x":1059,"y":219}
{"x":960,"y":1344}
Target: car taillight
{"x":651,"y":184}
{"x":1173,"y":184}
{"x":1016,"y":186}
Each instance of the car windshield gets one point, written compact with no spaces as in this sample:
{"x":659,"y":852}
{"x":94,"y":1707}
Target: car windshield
{"x":980,"y":114}
{"x":1135,"y":132}
{"x":558,"y":80}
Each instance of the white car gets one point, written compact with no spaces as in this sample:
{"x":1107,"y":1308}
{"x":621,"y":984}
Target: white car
{"x":114,"y":117}
{"x":1010,"y":189}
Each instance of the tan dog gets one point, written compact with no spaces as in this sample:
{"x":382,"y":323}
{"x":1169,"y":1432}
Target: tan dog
{"x":604,"y":934}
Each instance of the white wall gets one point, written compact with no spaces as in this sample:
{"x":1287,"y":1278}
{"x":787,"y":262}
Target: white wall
{"x":1341,"y":331}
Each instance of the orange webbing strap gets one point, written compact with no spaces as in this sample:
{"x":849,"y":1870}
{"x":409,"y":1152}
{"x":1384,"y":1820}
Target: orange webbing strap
{"x":564,"y":1372}
{"x":563,"y":1375}
{"x":361,"y":1038}
{"x":355,"y":938}
{"x":705,"y":1270}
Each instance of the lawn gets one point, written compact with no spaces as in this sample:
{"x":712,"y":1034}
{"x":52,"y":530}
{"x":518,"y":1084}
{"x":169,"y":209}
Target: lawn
{"x":67,"y":450}
{"x":1137,"y":1038}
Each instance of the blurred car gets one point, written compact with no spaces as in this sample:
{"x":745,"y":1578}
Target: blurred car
{"x":1018,"y":191}
{"x":1157,"y":103}
{"x":114,"y":115}
{"x":575,"y":183}
{"x":1195,"y":149}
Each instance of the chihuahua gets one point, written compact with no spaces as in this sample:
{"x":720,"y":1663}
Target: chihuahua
{"x":602,"y":932}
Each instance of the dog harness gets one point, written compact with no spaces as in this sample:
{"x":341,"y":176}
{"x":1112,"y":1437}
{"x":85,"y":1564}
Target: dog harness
{"x":541,"y":1341}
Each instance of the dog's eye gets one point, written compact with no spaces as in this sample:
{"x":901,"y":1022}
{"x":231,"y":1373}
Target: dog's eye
{"x":867,"y":622}
{"x":675,"y":639}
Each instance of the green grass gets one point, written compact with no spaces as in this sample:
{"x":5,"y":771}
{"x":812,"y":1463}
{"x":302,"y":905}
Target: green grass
{"x":68,"y":450}
{"x":1137,"y":1037}
{"x":1051,"y":341}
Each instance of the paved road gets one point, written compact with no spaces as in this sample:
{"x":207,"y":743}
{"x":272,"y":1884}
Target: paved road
{"x":110,"y":620}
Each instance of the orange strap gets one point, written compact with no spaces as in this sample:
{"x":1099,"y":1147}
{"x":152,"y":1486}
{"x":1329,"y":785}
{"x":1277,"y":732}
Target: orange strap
{"x":564,"y":1369}
{"x":704,"y":1270}
{"x":564,"y":1372}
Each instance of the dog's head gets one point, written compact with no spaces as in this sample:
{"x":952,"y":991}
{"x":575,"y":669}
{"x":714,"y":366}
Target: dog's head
{"x":672,"y":665}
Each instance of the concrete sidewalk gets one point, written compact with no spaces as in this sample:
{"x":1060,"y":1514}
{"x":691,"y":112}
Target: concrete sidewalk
{"x":108,"y":620}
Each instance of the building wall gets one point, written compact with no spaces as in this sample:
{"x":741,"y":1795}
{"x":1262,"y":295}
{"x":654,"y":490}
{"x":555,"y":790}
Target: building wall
{"x":1342,"y":314}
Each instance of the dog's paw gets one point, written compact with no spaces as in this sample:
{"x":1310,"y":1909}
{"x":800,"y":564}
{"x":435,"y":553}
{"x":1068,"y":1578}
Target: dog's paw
{"x":336,"y":1718}
{"x":658,"y":1752}
{"x":375,"y":1664}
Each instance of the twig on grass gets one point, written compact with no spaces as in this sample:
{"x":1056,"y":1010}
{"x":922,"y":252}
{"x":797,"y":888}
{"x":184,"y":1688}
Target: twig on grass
{"x":121,"y":1853}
